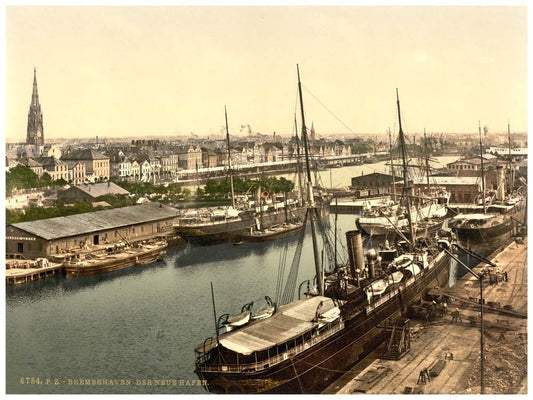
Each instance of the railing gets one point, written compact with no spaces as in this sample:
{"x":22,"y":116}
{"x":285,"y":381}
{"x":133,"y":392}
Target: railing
{"x":331,"y":329}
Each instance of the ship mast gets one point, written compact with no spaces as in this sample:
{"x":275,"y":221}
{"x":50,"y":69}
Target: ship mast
{"x":406,"y":187}
{"x":229,"y":160}
{"x":511,"y":170}
{"x":392,"y":168}
{"x":427,"y":158}
{"x":482,"y":170}
{"x":311,"y":210}
{"x":298,"y":165}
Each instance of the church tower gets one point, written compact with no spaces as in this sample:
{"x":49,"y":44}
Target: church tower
{"x":313,"y":134}
{"x":35,"y":133}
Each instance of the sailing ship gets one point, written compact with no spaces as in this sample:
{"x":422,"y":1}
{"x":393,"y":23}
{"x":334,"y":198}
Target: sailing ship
{"x":391,"y":221}
{"x":495,"y":223}
{"x":250,"y":220}
{"x":307,"y":343}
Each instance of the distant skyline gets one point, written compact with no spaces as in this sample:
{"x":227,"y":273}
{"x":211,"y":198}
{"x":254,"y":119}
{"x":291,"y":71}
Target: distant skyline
{"x":169,"y":70}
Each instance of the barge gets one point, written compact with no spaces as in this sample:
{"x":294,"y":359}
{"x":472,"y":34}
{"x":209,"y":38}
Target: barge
{"x":116,"y":259}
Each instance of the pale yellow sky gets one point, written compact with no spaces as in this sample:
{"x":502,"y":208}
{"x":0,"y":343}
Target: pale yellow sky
{"x":140,"y":71}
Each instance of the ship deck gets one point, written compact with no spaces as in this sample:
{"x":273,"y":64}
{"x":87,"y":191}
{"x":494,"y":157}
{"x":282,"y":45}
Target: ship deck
{"x":457,"y":344}
{"x":289,"y":322}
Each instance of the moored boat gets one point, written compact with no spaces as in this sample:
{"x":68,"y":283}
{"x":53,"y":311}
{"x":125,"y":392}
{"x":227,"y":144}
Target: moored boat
{"x":115,"y":259}
{"x":485,"y":232}
{"x":275,"y":232}
{"x":494,"y":224}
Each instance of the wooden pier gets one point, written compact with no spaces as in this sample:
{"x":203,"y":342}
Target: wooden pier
{"x":15,"y":276}
{"x":444,"y":356}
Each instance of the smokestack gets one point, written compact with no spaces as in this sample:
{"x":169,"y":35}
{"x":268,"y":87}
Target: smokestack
{"x":355,"y":251}
{"x":372,"y":257}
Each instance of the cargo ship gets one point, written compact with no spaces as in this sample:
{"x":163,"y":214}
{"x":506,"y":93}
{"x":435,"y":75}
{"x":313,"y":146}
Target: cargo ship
{"x":307,"y":343}
{"x":493,"y":223}
{"x":484,"y":232}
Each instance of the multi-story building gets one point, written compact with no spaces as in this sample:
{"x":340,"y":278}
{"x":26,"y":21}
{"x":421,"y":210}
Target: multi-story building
{"x":194,"y":157}
{"x":96,"y":164}
{"x":119,"y":164}
{"x":169,"y":164}
{"x":135,"y":170}
{"x":56,"y":168}
{"x":76,"y":172}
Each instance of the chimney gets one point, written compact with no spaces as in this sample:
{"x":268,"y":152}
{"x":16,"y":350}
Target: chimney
{"x":372,"y":257}
{"x":355,"y":251}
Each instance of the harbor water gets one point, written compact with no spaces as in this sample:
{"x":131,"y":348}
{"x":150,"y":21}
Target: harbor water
{"x":121,"y":332}
{"x":134,"y":331}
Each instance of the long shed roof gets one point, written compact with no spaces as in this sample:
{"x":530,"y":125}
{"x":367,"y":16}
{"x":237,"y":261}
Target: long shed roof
{"x":74,"y":225}
{"x":101,"y":189}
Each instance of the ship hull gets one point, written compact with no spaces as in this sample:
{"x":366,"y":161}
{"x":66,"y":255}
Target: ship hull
{"x":485,"y":239}
{"x":235,"y":230}
{"x":316,"y":368}
{"x":266,"y":236}
{"x":381,"y":230}
{"x":114,"y":262}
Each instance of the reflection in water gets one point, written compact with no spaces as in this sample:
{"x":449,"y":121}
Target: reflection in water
{"x":193,"y":255}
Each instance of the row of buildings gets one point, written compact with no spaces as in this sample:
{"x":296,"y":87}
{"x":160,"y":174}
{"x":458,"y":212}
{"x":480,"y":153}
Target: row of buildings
{"x":78,"y":166}
{"x":144,"y":159}
{"x":461,"y":178}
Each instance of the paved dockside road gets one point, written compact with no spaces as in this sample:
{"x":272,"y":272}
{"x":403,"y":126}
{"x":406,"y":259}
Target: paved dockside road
{"x":451,"y":351}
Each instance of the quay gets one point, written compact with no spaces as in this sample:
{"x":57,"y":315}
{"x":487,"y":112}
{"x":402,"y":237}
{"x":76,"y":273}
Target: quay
{"x":23,"y":271}
{"x":449,"y":347}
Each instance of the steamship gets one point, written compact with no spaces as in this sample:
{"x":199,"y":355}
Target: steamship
{"x":493,"y":224}
{"x":303,"y":345}
{"x":484,"y":232}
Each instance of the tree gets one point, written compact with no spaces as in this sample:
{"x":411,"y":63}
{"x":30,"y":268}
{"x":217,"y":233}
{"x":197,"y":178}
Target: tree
{"x":45,"y":180}
{"x":20,"y":177}
{"x":59,"y":182}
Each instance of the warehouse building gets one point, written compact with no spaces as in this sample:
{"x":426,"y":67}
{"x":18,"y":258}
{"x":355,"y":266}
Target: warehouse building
{"x":91,"y":192}
{"x":75,"y":233}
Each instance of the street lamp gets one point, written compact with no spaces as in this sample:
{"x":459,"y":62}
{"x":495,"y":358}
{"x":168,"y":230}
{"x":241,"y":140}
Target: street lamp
{"x":480,"y":278}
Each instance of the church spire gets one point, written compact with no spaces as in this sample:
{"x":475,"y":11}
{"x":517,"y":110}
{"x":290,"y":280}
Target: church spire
{"x":35,"y":132}
{"x":35,"y":94}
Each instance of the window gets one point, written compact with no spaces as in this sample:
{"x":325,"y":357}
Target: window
{"x":20,"y":247}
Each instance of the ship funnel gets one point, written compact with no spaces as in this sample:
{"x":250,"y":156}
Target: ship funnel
{"x":355,"y":251}
{"x":372,"y":258}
